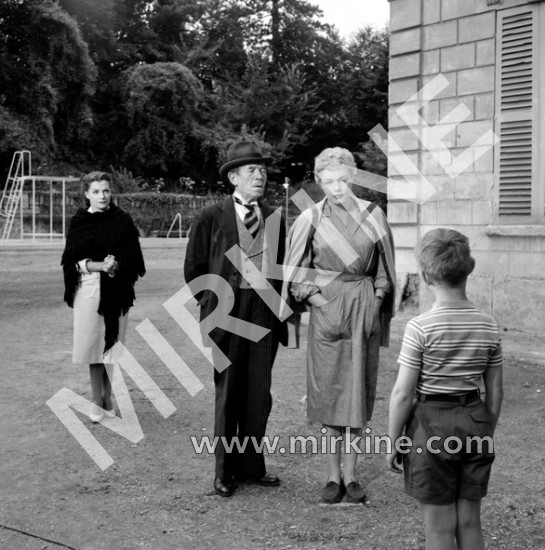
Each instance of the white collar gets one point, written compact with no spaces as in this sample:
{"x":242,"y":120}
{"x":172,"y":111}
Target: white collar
{"x":244,"y":202}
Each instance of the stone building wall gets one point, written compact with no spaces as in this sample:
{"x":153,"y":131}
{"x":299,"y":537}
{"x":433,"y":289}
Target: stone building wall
{"x":457,"y":38}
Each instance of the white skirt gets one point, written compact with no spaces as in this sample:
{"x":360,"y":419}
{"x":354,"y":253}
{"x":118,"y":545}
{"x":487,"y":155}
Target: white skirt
{"x":89,"y":325}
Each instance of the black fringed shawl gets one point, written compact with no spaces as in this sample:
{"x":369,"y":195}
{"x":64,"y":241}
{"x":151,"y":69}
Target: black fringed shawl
{"x":94,"y":236}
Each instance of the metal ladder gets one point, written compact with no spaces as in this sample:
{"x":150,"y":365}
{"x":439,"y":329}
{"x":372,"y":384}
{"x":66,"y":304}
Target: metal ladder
{"x":20,"y":168}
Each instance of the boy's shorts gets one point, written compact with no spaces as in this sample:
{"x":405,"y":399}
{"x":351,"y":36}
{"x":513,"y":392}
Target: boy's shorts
{"x":445,"y":477}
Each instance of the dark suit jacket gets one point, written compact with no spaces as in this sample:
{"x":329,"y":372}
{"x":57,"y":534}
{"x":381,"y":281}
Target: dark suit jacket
{"x":213,"y":233}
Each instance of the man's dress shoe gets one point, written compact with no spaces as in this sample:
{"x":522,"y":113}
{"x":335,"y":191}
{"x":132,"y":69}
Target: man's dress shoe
{"x":266,"y":480}
{"x":224,"y":488}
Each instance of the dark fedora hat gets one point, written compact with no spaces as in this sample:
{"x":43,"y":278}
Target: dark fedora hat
{"x":241,"y":153}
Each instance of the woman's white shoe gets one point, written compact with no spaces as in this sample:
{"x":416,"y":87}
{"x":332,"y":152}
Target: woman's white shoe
{"x":95,"y":414}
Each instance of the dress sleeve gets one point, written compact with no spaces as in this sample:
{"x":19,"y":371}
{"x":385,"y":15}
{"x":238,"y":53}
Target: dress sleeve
{"x":302,"y":290}
{"x":381,"y":280}
{"x":300,"y":255}
{"x":81,"y":266}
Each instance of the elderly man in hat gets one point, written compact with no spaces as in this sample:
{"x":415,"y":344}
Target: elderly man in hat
{"x":243,"y":399}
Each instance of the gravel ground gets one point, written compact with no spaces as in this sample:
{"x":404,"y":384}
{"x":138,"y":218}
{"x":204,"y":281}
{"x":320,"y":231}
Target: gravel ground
{"x":158,"y":493}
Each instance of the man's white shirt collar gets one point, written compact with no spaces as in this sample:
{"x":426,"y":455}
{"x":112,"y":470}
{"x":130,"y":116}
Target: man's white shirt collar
{"x":244,"y":202}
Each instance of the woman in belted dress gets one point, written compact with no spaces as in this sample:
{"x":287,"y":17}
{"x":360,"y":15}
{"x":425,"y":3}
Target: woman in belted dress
{"x":349,"y":241}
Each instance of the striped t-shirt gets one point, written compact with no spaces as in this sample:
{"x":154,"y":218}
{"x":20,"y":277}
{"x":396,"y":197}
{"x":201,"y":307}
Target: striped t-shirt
{"x":452,"y":346}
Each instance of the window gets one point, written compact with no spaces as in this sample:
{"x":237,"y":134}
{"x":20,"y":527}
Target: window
{"x":520,"y":115}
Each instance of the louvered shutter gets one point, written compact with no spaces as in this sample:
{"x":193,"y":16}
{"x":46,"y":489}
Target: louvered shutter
{"x":516,"y":101}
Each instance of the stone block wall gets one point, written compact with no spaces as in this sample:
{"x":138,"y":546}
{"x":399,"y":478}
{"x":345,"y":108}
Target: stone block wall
{"x":456,"y":38}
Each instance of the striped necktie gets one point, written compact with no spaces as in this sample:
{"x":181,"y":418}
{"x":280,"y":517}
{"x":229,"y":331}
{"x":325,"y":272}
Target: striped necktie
{"x":251,"y":218}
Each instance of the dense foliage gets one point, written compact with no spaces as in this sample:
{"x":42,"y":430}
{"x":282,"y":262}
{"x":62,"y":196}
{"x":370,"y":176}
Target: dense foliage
{"x":159,"y":89}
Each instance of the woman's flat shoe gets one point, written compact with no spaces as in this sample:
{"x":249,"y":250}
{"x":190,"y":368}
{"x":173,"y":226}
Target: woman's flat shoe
{"x":355,"y":493}
{"x":110,"y":413}
{"x":333,"y":492}
{"x":95,"y":414}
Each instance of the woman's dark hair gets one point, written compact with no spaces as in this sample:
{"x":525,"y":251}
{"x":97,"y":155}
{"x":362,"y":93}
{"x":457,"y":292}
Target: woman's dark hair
{"x":94,"y":176}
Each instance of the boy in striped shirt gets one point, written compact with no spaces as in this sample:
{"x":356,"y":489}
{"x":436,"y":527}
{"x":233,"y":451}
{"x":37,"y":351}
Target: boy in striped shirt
{"x":445,"y":354}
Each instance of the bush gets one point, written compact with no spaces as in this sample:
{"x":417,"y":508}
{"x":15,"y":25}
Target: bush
{"x":155,"y":212}
{"x":151,"y":212}
{"x":124,"y":181}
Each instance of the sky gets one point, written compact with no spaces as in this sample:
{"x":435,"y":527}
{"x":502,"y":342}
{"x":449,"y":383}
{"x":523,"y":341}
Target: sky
{"x":350,"y":15}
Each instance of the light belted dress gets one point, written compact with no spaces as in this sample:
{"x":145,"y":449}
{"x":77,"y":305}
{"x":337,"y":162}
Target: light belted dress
{"x":88,"y":347}
{"x":343,"y":349}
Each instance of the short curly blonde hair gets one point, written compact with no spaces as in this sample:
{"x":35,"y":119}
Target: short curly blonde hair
{"x":332,"y":156}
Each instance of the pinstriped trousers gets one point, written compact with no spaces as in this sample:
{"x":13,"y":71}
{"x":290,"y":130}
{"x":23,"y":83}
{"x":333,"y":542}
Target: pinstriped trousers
{"x":243,"y":390}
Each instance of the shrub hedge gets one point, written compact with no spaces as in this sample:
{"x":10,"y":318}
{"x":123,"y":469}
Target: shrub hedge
{"x":153,"y":213}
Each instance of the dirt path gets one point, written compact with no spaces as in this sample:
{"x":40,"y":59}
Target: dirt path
{"x":158,"y":494}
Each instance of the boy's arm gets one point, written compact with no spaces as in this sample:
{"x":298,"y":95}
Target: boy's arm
{"x":410,"y":364}
{"x":401,"y":402}
{"x":493,"y":383}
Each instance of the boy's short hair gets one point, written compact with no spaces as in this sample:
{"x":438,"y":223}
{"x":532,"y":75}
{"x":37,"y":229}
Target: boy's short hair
{"x":444,"y":257}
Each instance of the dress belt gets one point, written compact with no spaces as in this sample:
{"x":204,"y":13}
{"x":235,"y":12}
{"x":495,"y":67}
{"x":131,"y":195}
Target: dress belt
{"x":349,"y":277}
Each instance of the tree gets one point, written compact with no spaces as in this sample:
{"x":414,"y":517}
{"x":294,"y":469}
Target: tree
{"x":119,"y":37}
{"x":222,"y":25}
{"x":48,"y":80}
{"x":176,"y":24}
{"x":161,"y":102}
{"x":355,"y":92}
{"x":96,"y":22}
{"x":368,"y":67}
{"x":272,"y":108}
{"x":178,"y":80}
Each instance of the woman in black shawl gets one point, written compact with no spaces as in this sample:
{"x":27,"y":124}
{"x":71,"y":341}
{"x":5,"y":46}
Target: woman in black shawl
{"x":101,"y":262}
